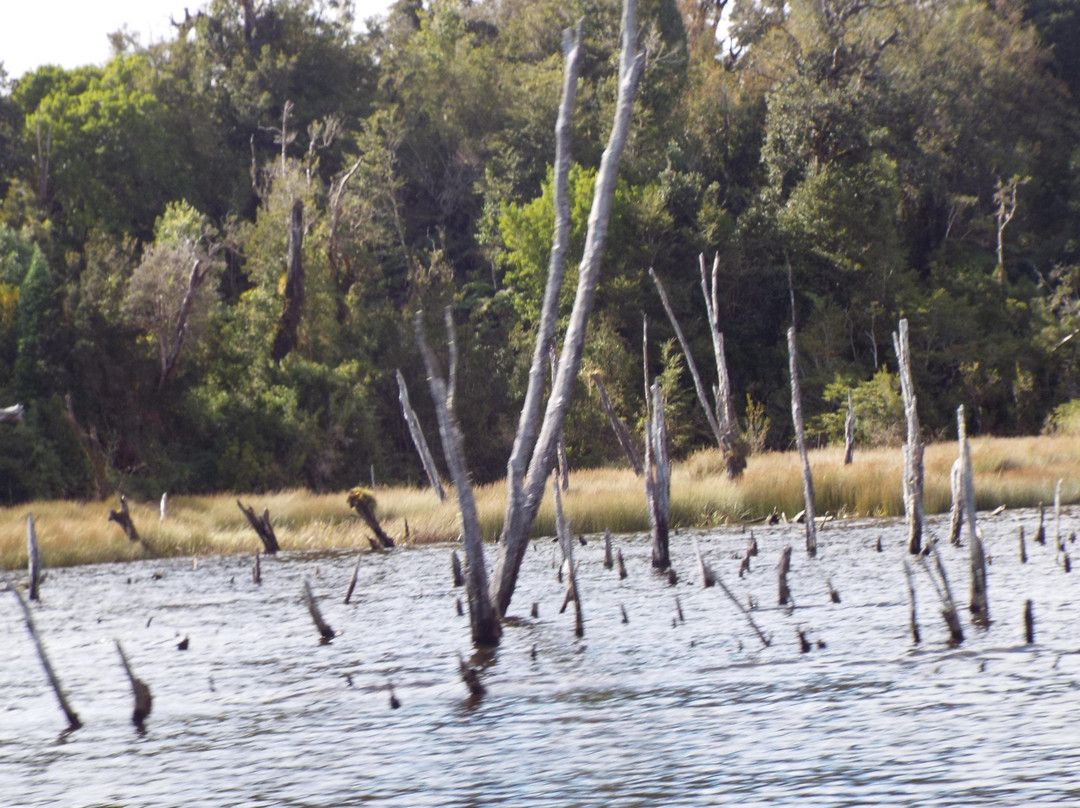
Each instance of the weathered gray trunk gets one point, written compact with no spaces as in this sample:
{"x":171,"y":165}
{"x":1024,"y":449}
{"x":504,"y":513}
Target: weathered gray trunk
{"x":33,"y":553}
{"x":800,"y":440}
{"x":913,"y":458}
{"x":418,"y":439}
{"x":980,"y":604}
{"x":72,"y":717}
{"x":849,"y":432}
{"x":262,"y":527}
{"x":782,"y":569}
{"x":622,"y":434}
{"x":566,"y":542}
{"x":483,"y":616}
{"x":733,"y":448}
{"x":658,"y":481}
{"x":534,"y":445}
{"x":956,"y":512}
{"x":285,"y":338}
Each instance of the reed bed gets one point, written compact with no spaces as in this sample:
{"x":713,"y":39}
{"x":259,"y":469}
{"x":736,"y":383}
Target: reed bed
{"x":1015,"y":472}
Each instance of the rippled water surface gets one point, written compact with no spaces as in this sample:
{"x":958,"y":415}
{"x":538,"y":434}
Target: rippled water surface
{"x":649,"y":712}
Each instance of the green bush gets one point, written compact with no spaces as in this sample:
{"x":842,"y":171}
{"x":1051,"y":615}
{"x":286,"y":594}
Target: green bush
{"x":1064,"y":419}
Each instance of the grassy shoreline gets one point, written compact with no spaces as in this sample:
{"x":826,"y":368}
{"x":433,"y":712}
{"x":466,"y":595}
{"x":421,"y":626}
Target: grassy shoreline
{"x":1015,"y":472}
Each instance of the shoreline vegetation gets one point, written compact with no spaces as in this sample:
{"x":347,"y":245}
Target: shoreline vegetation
{"x":1014,"y":472}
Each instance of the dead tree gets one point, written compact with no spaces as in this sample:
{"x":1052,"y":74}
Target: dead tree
{"x":658,"y":481}
{"x":1058,"y":546}
{"x":143,"y":699}
{"x":561,"y":463}
{"x":285,"y":338}
{"x":849,"y":432}
{"x":944,"y":593}
{"x":455,"y":568}
{"x":261,"y":525}
{"x":708,"y":577}
{"x":362,"y":500}
{"x":12,"y":414}
{"x":782,"y":570}
{"x":326,"y":634}
{"x":123,"y":518}
{"x":622,"y":434}
{"x":566,"y":541}
{"x":33,"y":553}
{"x":1040,"y":533}
{"x":1029,"y":622}
{"x":800,"y":440}
{"x":537,"y":435}
{"x":733,"y":448}
{"x":911,"y":594}
{"x":418,"y":439}
{"x":352,"y":579}
{"x":956,"y":512}
{"x":913,"y":449}
{"x":979,"y":605}
{"x":72,"y":717}
{"x":169,"y":354}
{"x":256,"y":569}
{"x":609,"y":562}
{"x":1023,"y":547}
{"x":620,"y":564}
{"x":731,"y":596}
{"x":483,"y":614}
{"x":163,"y":506}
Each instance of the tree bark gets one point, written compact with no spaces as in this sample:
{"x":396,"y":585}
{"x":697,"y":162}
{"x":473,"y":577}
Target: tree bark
{"x":534,"y":445}
{"x":658,"y":481}
{"x":33,"y":564}
{"x":418,"y":439}
{"x":566,"y":541}
{"x":170,"y":357}
{"x":483,"y":614}
{"x":285,"y":338}
{"x":849,"y":432}
{"x":733,"y":447}
{"x":800,"y":439}
{"x":980,"y":605}
{"x":12,"y":414}
{"x":73,"y":719}
{"x":262,"y":527}
{"x":622,"y":434}
{"x":913,"y":465}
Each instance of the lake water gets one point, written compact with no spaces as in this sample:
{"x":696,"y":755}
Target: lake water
{"x":649,"y":712}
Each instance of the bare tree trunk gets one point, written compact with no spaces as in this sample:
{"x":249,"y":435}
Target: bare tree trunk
{"x":560,"y":451}
{"x":621,"y":432}
{"x":123,"y":518}
{"x":658,"y":481}
{"x":140,"y":690}
{"x":911,"y":594}
{"x":849,"y":432}
{"x":980,"y":606}
{"x":33,"y":553}
{"x":956,"y":512}
{"x":95,"y":455}
{"x":782,"y":569}
{"x":734,"y":450}
{"x":418,"y":439}
{"x":800,"y":440}
{"x":262,"y":527}
{"x":285,"y":338}
{"x":362,"y":500}
{"x":73,"y":719}
{"x":170,"y":357}
{"x":913,"y":466}
{"x":534,"y":445}
{"x":944,"y":593}
{"x":12,"y":414}
{"x":699,"y":388}
{"x":483,"y":614}
{"x":566,"y":541}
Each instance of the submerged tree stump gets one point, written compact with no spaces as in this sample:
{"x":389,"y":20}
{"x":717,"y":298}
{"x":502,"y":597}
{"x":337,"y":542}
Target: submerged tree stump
{"x":262,"y":527}
{"x":362,"y":500}
{"x":33,"y":559}
{"x":782,"y":570}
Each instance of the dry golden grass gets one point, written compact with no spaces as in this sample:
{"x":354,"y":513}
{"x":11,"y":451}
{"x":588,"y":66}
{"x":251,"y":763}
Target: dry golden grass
{"x":1016,"y":472}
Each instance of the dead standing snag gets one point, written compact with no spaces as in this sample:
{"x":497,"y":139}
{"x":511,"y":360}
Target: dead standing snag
{"x":362,"y":500}
{"x":262,"y":527}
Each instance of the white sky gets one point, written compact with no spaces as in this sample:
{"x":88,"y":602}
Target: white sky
{"x":72,"y":33}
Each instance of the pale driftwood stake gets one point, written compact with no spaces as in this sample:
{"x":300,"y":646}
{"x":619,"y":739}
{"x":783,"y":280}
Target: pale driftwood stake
{"x":33,"y":553}
{"x":980,"y":605}
{"x":782,"y":570}
{"x":708,"y":577}
{"x":326,"y":634}
{"x":1040,"y":533}
{"x":622,"y":434}
{"x":455,"y":569}
{"x":734,"y":453}
{"x":911,"y":595}
{"x":1057,"y":518}
{"x":913,"y":457}
{"x":609,"y":561}
{"x":566,"y":541}
{"x":534,"y":444}
{"x":353,"y":578}
{"x":800,"y":440}
{"x":849,"y":431}
{"x":262,"y":527}
{"x":560,"y":449}
{"x":1029,"y":622}
{"x":956,"y":512}
{"x":483,"y":613}
{"x":418,"y":439}
{"x":72,"y":717}
{"x":658,"y":481}
{"x":163,"y":506}
{"x":620,"y":564}
{"x":143,"y":699}
{"x":123,"y":518}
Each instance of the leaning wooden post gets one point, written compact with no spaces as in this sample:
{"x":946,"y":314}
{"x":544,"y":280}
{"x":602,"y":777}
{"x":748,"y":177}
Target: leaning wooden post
{"x":849,"y":431}
{"x":980,"y":606}
{"x":353,"y":578}
{"x":658,"y":481}
{"x":33,"y":558}
{"x":417,"y":435}
{"x":944,"y":593}
{"x":483,"y":615}
{"x":913,"y":458}
{"x":800,"y":439}
{"x":73,"y":719}
{"x":139,"y":688}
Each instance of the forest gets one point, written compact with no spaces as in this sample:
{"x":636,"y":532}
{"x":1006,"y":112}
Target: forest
{"x":213,"y":247}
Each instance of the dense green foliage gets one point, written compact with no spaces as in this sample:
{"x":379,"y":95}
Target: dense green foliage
{"x":907,"y":159}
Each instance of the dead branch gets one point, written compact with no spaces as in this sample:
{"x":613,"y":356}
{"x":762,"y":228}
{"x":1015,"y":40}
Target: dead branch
{"x":139,"y":688}
{"x":362,"y":500}
{"x":262,"y":527}
{"x":800,"y":439}
{"x":73,"y":719}
{"x":418,"y":439}
{"x":326,"y":633}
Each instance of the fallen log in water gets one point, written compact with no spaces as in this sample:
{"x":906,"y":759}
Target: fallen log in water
{"x":139,"y":688}
{"x":731,"y":596}
{"x":326,"y":633}
{"x":262,"y":527}
{"x":72,"y":717}
{"x":33,"y":558}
